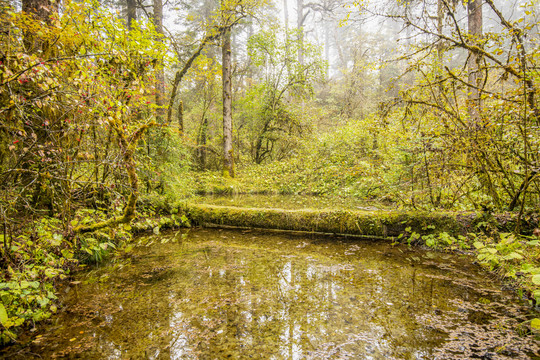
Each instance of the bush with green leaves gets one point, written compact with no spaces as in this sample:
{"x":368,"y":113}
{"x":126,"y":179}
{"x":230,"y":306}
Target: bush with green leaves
{"x":40,"y":257}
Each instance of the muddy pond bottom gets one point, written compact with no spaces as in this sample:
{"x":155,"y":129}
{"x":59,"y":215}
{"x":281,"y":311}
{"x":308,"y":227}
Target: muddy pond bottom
{"x":225,"y":294}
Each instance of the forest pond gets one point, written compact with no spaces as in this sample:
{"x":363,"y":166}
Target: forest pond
{"x":217,"y":294}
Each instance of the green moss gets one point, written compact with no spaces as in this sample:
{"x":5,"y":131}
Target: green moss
{"x":368,"y":223}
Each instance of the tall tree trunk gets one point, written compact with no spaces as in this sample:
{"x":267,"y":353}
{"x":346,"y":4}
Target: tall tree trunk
{"x":300,"y":27}
{"x":181,"y":118}
{"x":286,"y":20}
{"x":160,"y":76}
{"x":440,"y":52}
{"x":131,"y":13}
{"x":327,"y":47}
{"x":474,"y":10}
{"x":228,"y":160}
{"x":286,"y":14}
{"x":341,"y":56}
{"x":41,"y":10}
{"x":201,"y":144}
{"x":440,"y":22}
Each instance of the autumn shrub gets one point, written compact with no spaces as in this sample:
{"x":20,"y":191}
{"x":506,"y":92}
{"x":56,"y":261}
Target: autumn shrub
{"x":39,"y":257}
{"x":76,"y":95}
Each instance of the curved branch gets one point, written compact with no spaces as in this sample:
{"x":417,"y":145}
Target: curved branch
{"x":128,"y":146}
{"x":182,"y":72}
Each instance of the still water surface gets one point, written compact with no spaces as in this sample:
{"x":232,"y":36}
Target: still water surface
{"x":219,"y":294}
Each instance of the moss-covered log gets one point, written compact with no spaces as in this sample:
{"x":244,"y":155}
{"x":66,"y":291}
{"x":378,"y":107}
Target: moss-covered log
{"x":367,"y":223}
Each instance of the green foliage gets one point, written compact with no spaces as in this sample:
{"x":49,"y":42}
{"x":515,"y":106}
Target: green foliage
{"x":164,"y":164}
{"x":465,"y":152}
{"x":507,"y":249}
{"x":73,"y":110}
{"x":515,"y":257}
{"x":439,"y":241}
{"x":40,"y":256}
{"x":273,"y":124}
{"x":343,"y":163}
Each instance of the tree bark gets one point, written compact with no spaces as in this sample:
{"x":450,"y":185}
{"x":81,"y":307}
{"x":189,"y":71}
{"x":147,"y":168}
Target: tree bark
{"x":181,"y":118}
{"x":131,"y":13}
{"x":300,"y":28}
{"x":160,"y":76}
{"x":228,"y":162}
{"x":474,"y":10}
{"x":41,"y":10}
{"x":201,"y":144}
{"x":440,"y":22}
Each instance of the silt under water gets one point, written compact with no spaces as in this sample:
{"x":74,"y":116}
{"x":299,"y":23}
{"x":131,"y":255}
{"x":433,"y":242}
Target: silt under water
{"x":218,"y":294}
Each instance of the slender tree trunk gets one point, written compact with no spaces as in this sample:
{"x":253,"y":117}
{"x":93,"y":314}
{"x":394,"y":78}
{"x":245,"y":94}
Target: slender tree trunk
{"x":41,"y":10}
{"x":300,"y":27}
{"x":440,"y":22}
{"x":160,"y":76}
{"x":341,"y":56}
{"x":131,"y":13}
{"x":228,"y":160}
{"x":201,"y":144}
{"x":286,"y":20}
{"x":181,"y":117}
{"x":474,"y":9}
{"x":440,"y":53}
{"x":181,"y":73}
{"x":158,"y":16}
{"x":286,"y":14}
{"x":327,"y":48}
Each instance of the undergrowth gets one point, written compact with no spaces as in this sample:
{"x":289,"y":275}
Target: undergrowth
{"x":45,"y":252}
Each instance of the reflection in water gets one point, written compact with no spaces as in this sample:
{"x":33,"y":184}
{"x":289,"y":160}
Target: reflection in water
{"x":241,"y":295}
